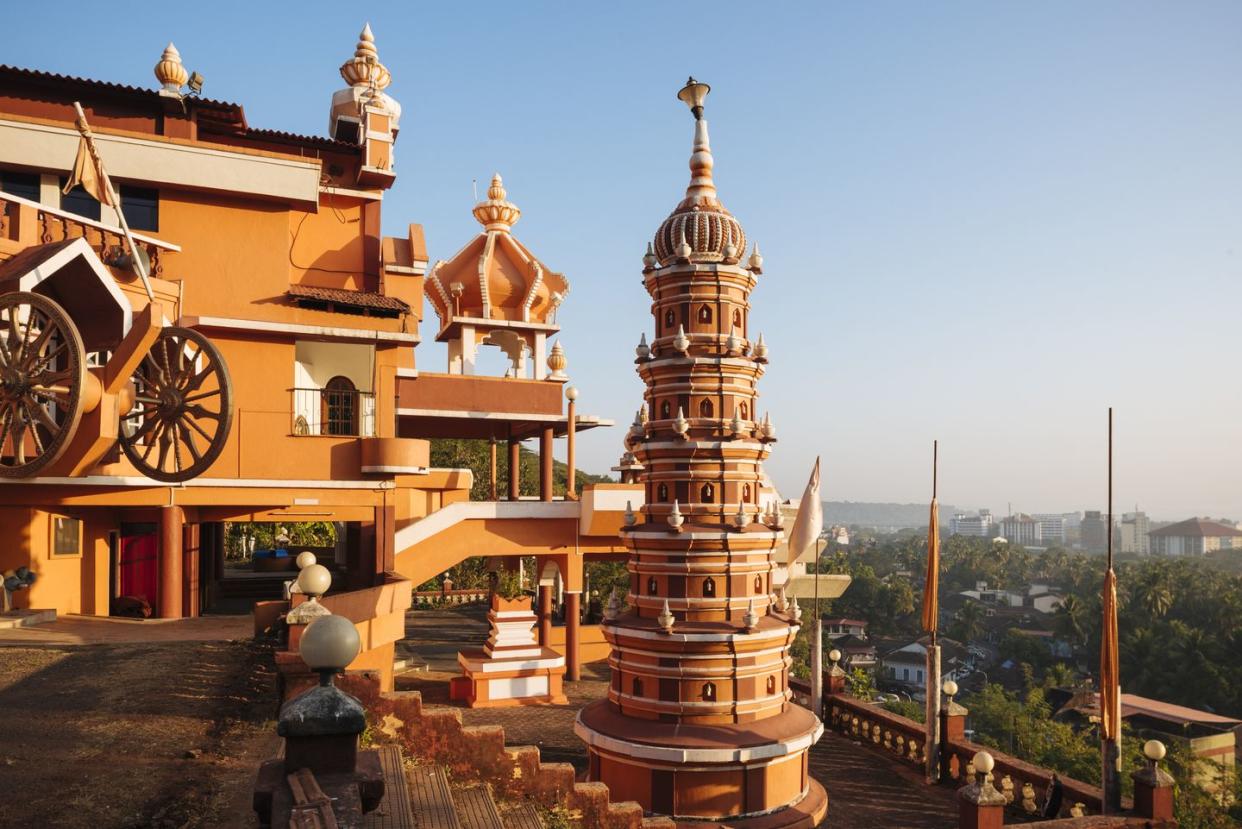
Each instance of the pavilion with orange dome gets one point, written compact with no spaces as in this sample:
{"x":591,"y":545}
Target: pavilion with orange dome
{"x":699,"y":722}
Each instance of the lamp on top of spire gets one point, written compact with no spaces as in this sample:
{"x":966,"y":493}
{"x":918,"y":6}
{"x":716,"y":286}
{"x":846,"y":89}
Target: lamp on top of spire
{"x":497,"y":212}
{"x":693,"y":94}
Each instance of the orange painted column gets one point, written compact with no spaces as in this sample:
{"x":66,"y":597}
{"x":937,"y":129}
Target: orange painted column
{"x":571,"y":487}
{"x":515,"y":469}
{"x":545,"y":464}
{"x":172,"y":526}
{"x":573,"y":609}
{"x":545,"y":615}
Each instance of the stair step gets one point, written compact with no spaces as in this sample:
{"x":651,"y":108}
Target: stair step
{"x":432,"y":798}
{"x":476,"y":809}
{"x":523,"y":816}
{"x":395,"y":810}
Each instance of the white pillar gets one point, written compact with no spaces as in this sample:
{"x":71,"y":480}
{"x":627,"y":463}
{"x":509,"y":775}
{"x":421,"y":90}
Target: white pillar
{"x":541,"y":355}
{"x":817,"y":664}
{"x":932,"y":713}
{"x":469,"y":349}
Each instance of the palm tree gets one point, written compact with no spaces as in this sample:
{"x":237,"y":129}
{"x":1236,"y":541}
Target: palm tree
{"x":968,"y":622}
{"x":1071,"y":620}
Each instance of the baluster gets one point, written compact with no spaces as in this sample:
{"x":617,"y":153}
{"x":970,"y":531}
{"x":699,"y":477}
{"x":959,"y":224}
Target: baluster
{"x":1028,"y":799}
{"x":45,"y":227}
{"x":1006,"y":788}
{"x":1079,"y":809}
{"x":888,"y":739}
{"x":875,"y":735}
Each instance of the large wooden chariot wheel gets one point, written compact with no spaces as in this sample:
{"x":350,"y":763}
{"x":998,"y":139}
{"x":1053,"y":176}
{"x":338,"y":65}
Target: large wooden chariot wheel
{"x":183,"y":407}
{"x":42,"y":381}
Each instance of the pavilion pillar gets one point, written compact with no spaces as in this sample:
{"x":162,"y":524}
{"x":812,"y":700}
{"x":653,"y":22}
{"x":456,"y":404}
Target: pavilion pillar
{"x":573,"y":612}
{"x":571,"y":488}
{"x":980,"y":805}
{"x":172,"y":529}
{"x":385,"y":539}
{"x":545,"y":464}
{"x":492,"y":467}
{"x":515,"y":469}
{"x":545,"y":615}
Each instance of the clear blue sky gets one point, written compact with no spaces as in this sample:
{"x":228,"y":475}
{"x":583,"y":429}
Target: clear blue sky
{"x":983,"y":222}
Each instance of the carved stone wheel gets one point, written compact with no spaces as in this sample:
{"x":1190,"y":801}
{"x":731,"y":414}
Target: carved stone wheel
{"x":42,"y":375}
{"x":183,"y":407}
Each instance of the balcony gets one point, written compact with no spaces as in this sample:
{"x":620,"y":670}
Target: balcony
{"x":342,"y":412}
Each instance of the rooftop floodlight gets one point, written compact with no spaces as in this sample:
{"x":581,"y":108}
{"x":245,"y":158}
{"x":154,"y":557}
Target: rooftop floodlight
{"x":328,"y":645}
{"x":195,"y":83}
{"x":693,"y":94}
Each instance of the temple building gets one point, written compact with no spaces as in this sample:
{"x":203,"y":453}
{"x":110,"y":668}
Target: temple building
{"x":699,"y":722}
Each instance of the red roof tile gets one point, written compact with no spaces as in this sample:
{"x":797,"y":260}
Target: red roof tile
{"x":1198,"y":528}
{"x":361,"y":300}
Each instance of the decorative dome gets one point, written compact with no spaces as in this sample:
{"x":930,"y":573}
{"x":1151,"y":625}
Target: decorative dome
{"x":364,"y":68}
{"x":700,"y":221}
{"x":169,"y":71}
{"x":496,"y":213}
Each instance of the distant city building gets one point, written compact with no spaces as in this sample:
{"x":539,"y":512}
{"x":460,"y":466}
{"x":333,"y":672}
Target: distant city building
{"x":1194,"y":537}
{"x":1093,"y":533}
{"x":839,"y":535}
{"x":1133,"y":532}
{"x":1022,"y":529}
{"x":978,"y":525}
{"x":1052,"y":527}
{"x":844,"y":627}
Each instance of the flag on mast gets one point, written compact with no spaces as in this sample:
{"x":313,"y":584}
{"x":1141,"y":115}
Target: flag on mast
{"x":88,"y":169}
{"x":809,"y":522}
{"x":931,"y":585}
{"x":1110,"y":664}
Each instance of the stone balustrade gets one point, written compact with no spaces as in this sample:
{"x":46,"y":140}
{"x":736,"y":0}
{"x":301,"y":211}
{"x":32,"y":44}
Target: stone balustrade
{"x":434,"y":598}
{"x":903,"y":738}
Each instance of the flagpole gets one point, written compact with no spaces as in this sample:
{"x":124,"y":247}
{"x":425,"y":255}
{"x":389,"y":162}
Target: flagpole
{"x":932,"y":673}
{"x":140,"y":266}
{"x":1110,"y":744}
{"x":817,"y":653}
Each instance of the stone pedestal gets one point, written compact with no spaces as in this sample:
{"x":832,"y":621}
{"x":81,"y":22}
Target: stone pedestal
{"x":512,"y":668}
{"x":1153,"y":793}
{"x":980,"y":806}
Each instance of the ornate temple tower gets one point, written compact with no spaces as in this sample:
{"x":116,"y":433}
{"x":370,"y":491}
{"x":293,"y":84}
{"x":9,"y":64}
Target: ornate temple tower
{"x":699,"y":723}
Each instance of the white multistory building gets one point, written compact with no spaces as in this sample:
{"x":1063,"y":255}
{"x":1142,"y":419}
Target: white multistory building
{"x":978,"y":525}
{"x":1133,"y":531}
{"x":1052,"y":527}
{"x":1021,"y":529}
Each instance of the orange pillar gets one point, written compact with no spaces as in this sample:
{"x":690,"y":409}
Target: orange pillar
{"x":573,"y":664}
{"x":515,"y":469}
{"x":545,"y":463}
{"x":492,"y":446}
{"x":545,"y":615}
{"x":172,"y":526}
{"x":571,"y":488}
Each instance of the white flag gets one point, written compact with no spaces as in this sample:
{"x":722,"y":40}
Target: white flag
{"x":810,"y":521}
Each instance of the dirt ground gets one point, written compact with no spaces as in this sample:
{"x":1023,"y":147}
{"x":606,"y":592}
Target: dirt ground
{"x":134,"y":736}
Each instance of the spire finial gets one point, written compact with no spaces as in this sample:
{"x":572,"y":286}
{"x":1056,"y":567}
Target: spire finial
{"x":497,"y":213}
{"x":364,"y":68}
{"x":169,"y":71}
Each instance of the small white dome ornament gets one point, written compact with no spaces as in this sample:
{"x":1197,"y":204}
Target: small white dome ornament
{"x":637,"y":430}
{"x":778,"y":517}
{"x":642,"y":350}
{"x":557,"y":362}
{"x":741,"y":519}
{"x":796,"y":611}
{"x":768,"y":430}
{"x":733,"y":345}
{"x":683,"y":247}
{"x":730,"y":253}
{"x":782,"y":604}
{"x":681,"y":426}
{"x":751,"y":619}
{"x":171,"y":74}
{"x":761,"y":350}
{"x":755,"y":263}
{"x":649,"y":258}
{"x":737,"y":426}
{"x":681,"y":342}
{"x":675,"y":518}
{"x":644,"y":415}
{"x":630,"y":518}
{"x":666,"y":618}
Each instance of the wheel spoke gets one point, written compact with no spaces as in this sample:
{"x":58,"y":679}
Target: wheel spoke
{"x":190,"y":422}
{"x":34,"y":429}
{"x":153,"y":438}
{"x":202,"y":395}
{"x":198,"y":411}
{"x":188,"y":439}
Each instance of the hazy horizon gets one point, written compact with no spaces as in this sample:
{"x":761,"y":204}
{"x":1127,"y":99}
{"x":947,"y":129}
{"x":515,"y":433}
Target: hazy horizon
{"x":982,"y":223}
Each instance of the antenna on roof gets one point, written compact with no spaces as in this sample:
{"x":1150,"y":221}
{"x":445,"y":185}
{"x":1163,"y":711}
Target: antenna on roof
{"x":474,"y":185}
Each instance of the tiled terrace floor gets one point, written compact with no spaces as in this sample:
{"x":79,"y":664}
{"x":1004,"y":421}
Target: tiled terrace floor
{"x":865,"y":789}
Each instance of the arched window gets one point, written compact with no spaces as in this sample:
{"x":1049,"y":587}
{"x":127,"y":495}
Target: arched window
{"x":709,"y":588}
{"x":743,"y":410}
{"x":637,"y":685}
{"x":670,"y":319}
{"x":340,"y":407}
{"x":666,"y":410}
{"x":709,"y":691}
{"x":737,"y":317}
{"x":771,"y":685}
{"x":653,"y":588}
{"x":746,"y":492}
{"x":662,"y":492}
{"x":758,"y":584}
{"x":707,"y":494}
{"x":705,"y":314}
{"x":706,"y":409}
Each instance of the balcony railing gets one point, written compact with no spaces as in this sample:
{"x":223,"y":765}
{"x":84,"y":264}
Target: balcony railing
{"x":343,"y":412}
{"x":33,"y":223}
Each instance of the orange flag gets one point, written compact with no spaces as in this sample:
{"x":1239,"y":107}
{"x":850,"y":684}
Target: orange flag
{"x":88,"y":172}
{"x":931,"y":586}
{"x":1110,"y":664}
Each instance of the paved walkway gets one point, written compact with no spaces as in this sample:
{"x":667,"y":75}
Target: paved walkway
{"x":103,"y":630}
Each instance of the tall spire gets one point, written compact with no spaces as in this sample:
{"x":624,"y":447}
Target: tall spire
{"x":701,"y":188}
